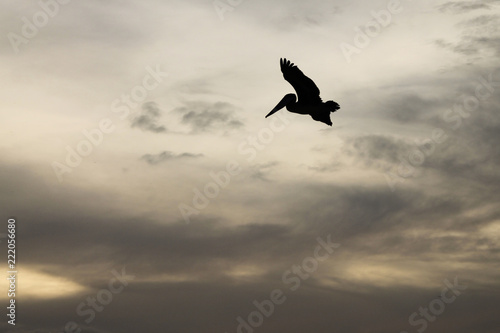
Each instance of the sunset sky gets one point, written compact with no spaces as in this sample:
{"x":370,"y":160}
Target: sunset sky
{"x":145,"y":180}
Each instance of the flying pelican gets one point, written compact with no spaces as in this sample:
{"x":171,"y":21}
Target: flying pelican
{"x":309,"y":101}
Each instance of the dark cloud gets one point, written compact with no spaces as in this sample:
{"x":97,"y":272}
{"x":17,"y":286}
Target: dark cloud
{"x":164,"y":156}
{"x":208,"y":247}
{"x":182,"y":270}
{"x":466,"y":153}
{"x":147,"y":121}
{"x":206,"y":117}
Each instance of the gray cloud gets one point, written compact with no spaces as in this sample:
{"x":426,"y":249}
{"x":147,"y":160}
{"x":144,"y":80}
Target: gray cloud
{"x":261,"y":171}
{"x":147,"y":121}
{"x":472,"y":46}
{"x":410,"y":108}
{"x":459,"y":7}
{"x":373,"y":151}
{"x":411,"y":226}
{"x":298,"y":15}
{"x":164,"y":156}
{"x":206,"y":117}
{"x":472,"y":151}
{"x":396,"y":247}
{"x":480,"y":38}
{"x":208,"y":247}
{"x":375,"y":147}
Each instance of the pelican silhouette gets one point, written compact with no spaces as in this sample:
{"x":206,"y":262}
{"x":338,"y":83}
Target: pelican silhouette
{"x":309,"y":101}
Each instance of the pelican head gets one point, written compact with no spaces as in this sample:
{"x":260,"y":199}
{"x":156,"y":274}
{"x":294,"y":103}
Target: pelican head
{"x":286,"y":101}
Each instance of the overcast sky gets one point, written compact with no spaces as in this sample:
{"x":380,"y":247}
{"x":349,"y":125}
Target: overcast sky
{"x":134,"y":142}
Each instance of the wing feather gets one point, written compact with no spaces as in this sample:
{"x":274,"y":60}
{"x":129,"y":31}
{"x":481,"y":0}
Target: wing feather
{"x":306,"y":89}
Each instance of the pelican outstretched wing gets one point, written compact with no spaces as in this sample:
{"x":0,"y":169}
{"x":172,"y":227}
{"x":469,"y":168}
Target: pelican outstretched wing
{"x":307,"y":91}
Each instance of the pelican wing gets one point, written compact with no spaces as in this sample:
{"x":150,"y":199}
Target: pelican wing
{"x":307,"y":91}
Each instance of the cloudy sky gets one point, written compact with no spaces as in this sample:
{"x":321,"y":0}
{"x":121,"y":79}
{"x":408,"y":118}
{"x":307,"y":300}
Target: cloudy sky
{"x":151,"y":194}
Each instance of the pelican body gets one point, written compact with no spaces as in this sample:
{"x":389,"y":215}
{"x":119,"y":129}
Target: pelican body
{"x":308,"y":94}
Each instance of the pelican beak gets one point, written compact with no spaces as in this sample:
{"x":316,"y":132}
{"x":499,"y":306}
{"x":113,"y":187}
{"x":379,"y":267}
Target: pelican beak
{"x":287,"y":99}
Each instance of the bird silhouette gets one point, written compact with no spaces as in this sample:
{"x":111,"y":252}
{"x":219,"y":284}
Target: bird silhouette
{"x":309,"y":101}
